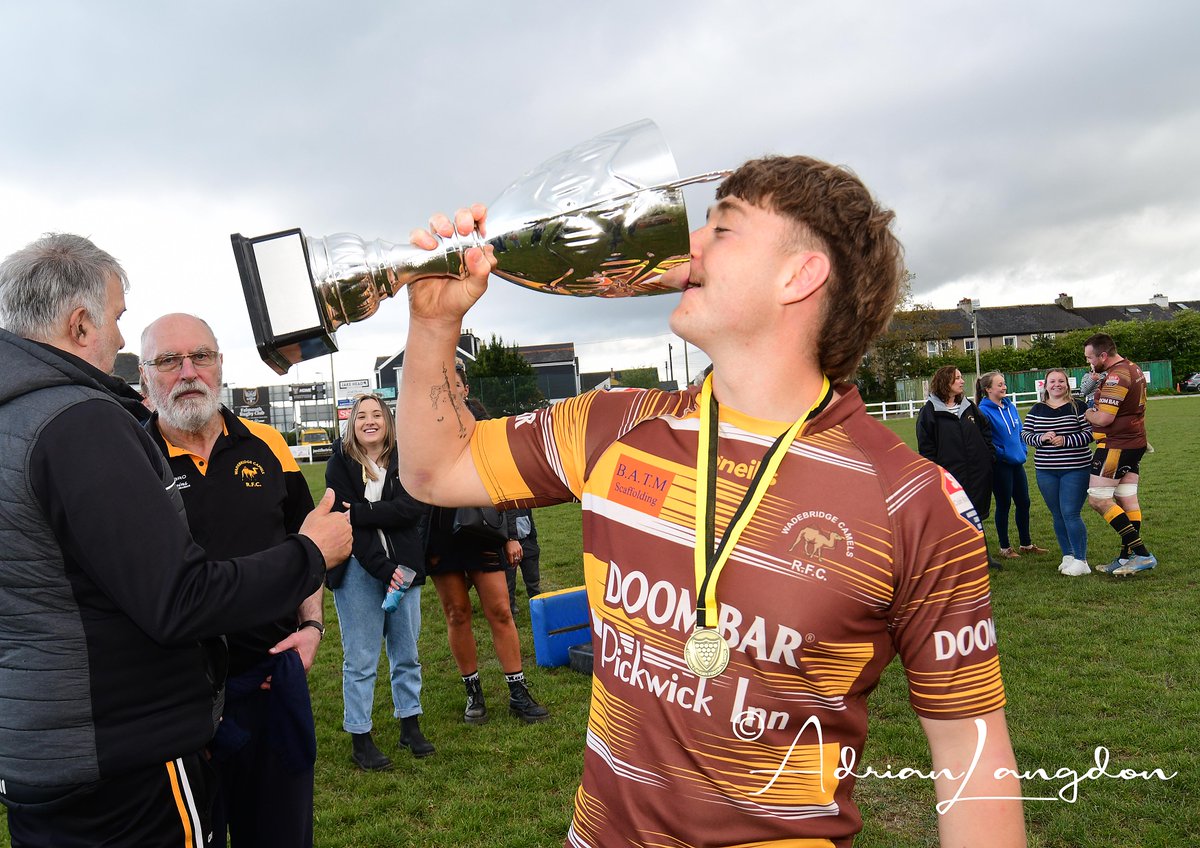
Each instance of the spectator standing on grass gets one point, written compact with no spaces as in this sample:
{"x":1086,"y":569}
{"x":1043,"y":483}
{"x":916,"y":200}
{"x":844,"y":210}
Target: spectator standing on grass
{"x":527,"y":560}
{"x":952,"y":432}
{"x":1009,"y":483}
{"x":389,"y":527}
{"x":1056,"y":429}
{"x":113,"y":671}
{"x":456,"y":561}
{"x":1119,"y":423}
{"x":243,"y":492}
{"x":713,"y":720}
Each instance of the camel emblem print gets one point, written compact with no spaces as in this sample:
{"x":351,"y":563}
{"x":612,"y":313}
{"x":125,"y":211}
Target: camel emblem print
{"x":816,"y":542}
{"x":250,"y":473}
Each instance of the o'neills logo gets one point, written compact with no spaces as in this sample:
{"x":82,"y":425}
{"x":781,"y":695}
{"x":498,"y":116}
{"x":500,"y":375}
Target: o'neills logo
{"x":250,"y":473}
{"x":741,"y":470}
{"x":640,"y":485}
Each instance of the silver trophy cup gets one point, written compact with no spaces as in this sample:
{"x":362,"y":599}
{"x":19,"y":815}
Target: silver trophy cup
{"x":606,"y":219}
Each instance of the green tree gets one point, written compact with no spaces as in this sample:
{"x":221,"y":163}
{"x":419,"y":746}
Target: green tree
{"x":900,"y":352}
{"x":504,"y":381}
{"x":639,"y":378}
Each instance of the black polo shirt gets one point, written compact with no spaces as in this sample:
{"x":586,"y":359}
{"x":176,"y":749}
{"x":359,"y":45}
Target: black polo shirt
{"x":246,"y":498}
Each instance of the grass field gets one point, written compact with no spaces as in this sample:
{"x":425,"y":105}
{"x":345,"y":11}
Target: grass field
{"x":1088,"y":662}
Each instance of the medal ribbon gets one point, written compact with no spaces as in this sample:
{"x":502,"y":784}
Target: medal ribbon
{"x":709,"y":563}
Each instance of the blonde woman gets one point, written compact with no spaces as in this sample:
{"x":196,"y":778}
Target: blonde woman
{"x":388,"y":531}
{"x":1056,"y":429}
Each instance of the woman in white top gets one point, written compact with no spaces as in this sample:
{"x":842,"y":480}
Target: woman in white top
{"x":388,"y":528}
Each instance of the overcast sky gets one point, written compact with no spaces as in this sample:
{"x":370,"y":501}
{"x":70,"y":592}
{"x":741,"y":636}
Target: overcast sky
{"x":1028,"y":148}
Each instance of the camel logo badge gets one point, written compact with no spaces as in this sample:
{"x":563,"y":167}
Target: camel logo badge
{"x":816,"y":542}
{"x":250,"y":473}
{"x":815,"y":534}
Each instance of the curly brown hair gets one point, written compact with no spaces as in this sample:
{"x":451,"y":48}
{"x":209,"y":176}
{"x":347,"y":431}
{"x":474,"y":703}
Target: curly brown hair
{"x":942,"y":380}
{"x":833,"y":212}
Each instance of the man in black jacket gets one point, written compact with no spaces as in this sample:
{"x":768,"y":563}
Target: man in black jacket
{"x":112,"y":675}
{"x":243,"y":493}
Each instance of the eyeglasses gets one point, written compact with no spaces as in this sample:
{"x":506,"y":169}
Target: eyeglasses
{"x":174,"y":361}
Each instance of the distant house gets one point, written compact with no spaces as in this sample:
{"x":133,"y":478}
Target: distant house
{"x":615,"y":379}
{"x":1018,"y":326}
{"x":387,"y":368}
{"x":555,"y":365}
{"x":557,"y":369}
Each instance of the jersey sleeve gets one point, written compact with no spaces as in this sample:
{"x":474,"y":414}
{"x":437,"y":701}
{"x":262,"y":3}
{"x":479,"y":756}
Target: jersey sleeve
{"x":543,"y":457}
{"x":941,"y":616}
{"x":1112,"y":393}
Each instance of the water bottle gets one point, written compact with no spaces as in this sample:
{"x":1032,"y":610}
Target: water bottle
{"x":392,"y":601}
{"x":405,"y":576}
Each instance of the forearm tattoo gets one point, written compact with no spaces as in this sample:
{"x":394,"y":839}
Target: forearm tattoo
{"x":443,"y":389}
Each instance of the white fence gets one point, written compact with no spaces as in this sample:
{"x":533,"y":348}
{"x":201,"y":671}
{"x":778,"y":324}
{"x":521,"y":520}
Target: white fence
{"x":910,"y":408}
{"x":302,"y":452}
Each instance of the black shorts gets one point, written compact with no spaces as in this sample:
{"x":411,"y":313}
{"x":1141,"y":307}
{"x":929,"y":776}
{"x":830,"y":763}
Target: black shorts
{"x":167,"y":805}
{"x":1115,"y":463}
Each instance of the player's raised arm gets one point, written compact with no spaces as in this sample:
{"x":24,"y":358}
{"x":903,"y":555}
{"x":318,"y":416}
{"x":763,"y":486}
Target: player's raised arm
{"x":433,"y":424}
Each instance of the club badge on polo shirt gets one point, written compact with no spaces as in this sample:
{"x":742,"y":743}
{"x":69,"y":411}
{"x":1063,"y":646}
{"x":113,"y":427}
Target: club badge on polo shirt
{"x":250,"y":473}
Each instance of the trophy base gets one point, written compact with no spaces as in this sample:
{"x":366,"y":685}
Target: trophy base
{"x":288,"y":322}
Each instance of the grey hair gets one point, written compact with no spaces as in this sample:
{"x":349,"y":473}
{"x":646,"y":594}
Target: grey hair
{"x":150,"y":326}
{"x":43,"y":282}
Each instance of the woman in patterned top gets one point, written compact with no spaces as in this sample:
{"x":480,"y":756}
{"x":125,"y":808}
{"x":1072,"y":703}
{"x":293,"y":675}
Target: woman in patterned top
{"x":1056,"y":428}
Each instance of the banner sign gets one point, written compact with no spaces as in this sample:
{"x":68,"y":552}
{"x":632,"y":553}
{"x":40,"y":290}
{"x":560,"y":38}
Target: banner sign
{"x":253,"y":404}
{"x":307,"y":391}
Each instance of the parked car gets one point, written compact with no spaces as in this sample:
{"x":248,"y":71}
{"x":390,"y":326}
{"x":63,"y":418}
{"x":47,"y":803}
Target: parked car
{"x":1192,"y":383}
{"x":318,"y":439}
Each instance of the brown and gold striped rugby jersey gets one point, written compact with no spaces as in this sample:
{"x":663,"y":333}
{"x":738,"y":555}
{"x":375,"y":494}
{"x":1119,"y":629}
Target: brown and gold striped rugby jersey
{"x":859,"y":551}
{"x":1124,"y":395}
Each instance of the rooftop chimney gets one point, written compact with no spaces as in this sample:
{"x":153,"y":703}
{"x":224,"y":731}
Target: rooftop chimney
{"x":1064,"y":300}
{"x":1161,"y":301}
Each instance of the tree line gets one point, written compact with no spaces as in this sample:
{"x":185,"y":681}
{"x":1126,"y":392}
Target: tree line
{"x":900,"y":353}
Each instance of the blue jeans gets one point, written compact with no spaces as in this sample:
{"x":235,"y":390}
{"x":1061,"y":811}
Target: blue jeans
{"x":1065,"y":493}
{"x":364,"y":625}
{"x":1011,"y":486}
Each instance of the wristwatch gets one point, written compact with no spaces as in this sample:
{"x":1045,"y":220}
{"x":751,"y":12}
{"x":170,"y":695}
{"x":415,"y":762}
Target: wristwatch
{"x":313,"y":623}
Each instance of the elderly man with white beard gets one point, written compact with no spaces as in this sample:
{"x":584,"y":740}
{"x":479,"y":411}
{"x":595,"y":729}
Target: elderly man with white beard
{"x":243,"y":492}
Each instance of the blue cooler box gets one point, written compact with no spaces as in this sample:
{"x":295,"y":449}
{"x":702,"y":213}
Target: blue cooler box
{"x":560,"y":620}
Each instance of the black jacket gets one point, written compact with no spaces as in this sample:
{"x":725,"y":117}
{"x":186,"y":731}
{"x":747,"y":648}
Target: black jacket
{"x":107,"y":606}
{"x":962,"y":444}
{"x":400,"y":516}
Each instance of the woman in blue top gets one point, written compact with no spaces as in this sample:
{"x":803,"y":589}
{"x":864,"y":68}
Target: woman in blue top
{"x":1056,"y":427}
{"x":1009,"y":483}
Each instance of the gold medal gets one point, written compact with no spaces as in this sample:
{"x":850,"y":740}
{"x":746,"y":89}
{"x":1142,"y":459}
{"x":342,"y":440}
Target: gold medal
{"x":706,"y":652}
